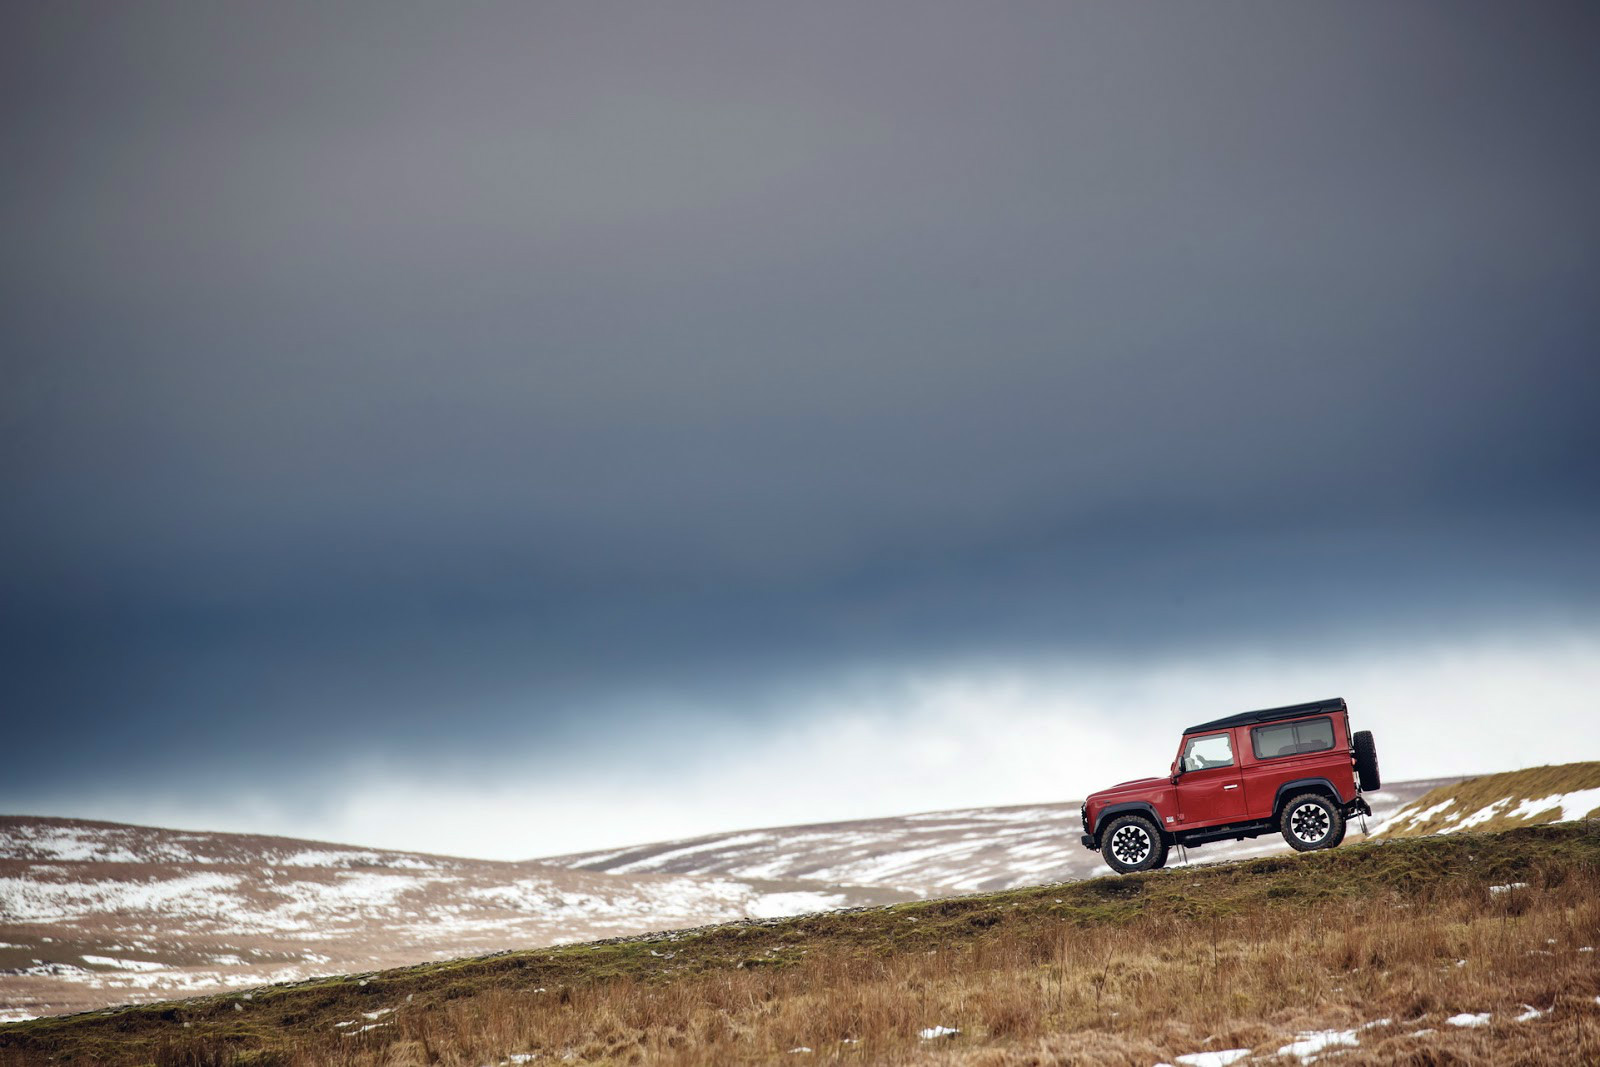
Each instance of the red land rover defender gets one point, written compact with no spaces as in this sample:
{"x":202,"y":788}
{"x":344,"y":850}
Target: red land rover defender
{"x":1296,"y":771}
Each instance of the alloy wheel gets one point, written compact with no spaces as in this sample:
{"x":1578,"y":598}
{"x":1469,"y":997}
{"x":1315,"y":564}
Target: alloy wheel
{"x":1131,"y":844}
{"x":1310,"y":823}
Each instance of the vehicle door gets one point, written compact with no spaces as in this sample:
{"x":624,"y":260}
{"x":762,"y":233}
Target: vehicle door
{"x":1210,"y":788}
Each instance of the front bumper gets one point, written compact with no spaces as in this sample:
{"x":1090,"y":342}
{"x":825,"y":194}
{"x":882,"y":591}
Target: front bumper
{"x":1089,"y":843}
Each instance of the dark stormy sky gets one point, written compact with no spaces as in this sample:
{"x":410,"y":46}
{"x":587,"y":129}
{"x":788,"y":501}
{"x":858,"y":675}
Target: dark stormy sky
{"x":511,"y":428}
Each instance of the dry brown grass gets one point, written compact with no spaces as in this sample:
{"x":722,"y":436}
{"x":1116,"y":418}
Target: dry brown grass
{"x":1134,"y":995}
{"x":1118,"y":971}
{"x":1474,"y":794}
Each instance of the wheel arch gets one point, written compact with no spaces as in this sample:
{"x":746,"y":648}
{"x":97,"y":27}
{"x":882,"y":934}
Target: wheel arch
{"x":1304,"y":785}
{"x":1131,"y":807}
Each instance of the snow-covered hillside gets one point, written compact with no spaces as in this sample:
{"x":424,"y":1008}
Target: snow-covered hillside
{"x":1528,"y":797}
{"x":937,"y":852}
{"x":99,"y":913}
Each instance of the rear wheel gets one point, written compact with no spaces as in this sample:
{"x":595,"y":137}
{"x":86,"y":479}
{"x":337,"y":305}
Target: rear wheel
{"x":1366,"y":760}
{"x":1132,"y":843}
{"x":1311,"y":821}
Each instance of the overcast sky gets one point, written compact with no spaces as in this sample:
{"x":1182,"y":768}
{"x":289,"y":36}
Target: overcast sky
{"x":506,"y":429}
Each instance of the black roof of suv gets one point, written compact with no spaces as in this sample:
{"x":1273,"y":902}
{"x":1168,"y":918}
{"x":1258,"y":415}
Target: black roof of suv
{"x":1293,"y":711}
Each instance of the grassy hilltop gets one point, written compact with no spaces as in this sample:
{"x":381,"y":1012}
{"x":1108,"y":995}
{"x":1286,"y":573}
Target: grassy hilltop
{"x":1533,"y":796}
{"x":1373,"y":947}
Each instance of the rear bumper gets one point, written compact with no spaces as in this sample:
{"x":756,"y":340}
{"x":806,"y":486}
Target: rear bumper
{"x":1358,"y":806}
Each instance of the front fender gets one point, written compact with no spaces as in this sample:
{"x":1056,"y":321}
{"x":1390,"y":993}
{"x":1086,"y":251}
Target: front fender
{"x":1110,"y":811}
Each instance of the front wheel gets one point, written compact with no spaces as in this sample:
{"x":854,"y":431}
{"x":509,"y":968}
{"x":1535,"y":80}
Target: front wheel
{"x":1311,"y":821}
{"x":1132,"y":843}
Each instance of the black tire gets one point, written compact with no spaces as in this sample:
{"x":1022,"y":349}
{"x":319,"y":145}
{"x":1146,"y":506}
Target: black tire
{"x":1311,"y":821}
{"x":1366,"y":761}
{"x":1133,"y":843}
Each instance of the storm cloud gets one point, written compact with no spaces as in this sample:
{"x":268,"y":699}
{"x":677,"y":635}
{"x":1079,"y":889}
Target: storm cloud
{"x":557,"y":383}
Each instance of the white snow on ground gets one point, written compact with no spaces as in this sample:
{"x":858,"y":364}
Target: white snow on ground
{"x":1567,"y":806}
{"x":209,"y":897}
{"x":124,"y":965}
{"x":937,"y":1031}
{"x":90,"y":844}
{"x":367,"y":890}
{"x":1574,"y":805}
{"x":1496,"y":890}
{"x":1479,"y":817}
{"x":1013,"y":815}
{"x":1407,"y":816}
{"x":717,"y":897}
{"x":1467,"y":1018}
{"x":1530,"y":1013}
{"x":1221,"y":1058}
{"x":898,"y":866}
{"x":1309,"y":1044}
{"x":50,"y":970}
{"x":371,"y":1023}
{"x":24,"y":900}
{"x":778,"y":905}
{"x":49,"y":840}
{"x":352,"y":858}
{"x":662,"y":860}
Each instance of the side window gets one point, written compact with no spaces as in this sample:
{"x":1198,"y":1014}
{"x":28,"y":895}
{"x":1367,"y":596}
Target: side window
{"x":1212,"y":750}
{"x":1292,"y":738}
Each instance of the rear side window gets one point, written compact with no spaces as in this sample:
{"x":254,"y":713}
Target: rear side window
{"x":1292,"y":738}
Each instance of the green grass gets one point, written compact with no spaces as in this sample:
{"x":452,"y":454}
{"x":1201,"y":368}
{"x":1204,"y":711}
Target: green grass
{"x":263,"y":1029}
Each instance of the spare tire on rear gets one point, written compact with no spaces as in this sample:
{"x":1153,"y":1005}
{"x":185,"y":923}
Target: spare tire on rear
{"x":1366,"y":761}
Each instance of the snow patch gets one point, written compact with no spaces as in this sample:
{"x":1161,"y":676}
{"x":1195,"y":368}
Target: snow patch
{"x":1309,"y":1044}
{"x":781,"y":905}
{"x":1213,"y":1059}
{"x":1574,"y":805}
{"x":24,"y":900}
{"x":124,"y":965}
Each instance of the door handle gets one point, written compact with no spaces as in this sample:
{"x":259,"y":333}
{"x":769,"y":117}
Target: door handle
{"x":1230,"y":787}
